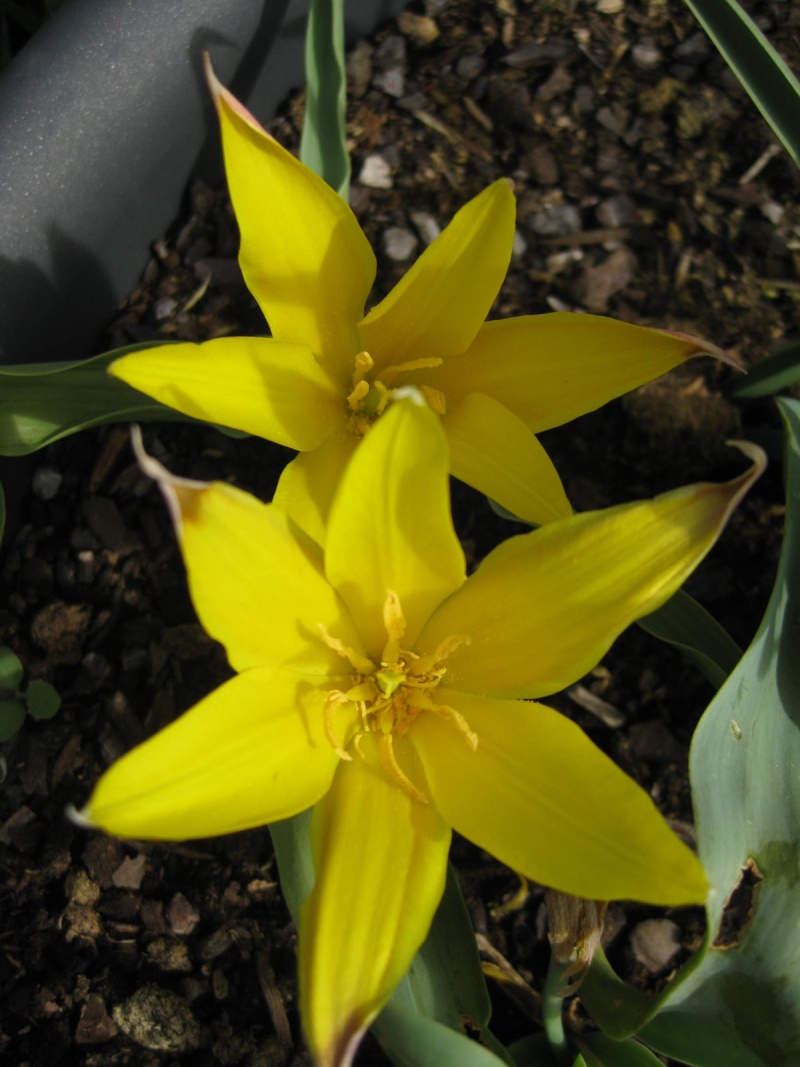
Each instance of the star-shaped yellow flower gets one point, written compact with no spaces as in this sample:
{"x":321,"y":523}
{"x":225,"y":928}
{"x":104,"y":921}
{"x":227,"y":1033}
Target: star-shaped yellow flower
{"x":326,"y":374}
{"x":381,"y":685}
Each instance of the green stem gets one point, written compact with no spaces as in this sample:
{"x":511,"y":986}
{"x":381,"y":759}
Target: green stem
{"x":553,"y":1011}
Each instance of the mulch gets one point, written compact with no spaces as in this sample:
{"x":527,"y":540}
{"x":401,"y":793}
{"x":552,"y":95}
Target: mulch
{"x":648,"y":188}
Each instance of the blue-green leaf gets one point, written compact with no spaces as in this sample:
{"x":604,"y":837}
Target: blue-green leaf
{"x":771,"y":85}
{"x":414,"y":1040}
{"x":742,"y":1003}
{"x":602,"y":1051}
{"x":323,"y":145}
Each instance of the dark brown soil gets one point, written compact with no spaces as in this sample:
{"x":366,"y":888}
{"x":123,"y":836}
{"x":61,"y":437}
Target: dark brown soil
{"x":647,"y":188}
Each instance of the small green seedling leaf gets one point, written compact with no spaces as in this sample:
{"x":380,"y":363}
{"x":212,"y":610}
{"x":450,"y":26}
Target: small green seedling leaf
{"x":11,"y":671}
{"x":42,"y":699}
{"x":12,"y":716}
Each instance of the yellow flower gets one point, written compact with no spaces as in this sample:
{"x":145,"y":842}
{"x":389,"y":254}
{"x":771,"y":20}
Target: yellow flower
{"x":381,"y":685}
{"x":326,"y":373}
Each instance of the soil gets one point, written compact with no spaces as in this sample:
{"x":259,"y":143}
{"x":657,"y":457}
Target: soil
{"x":648,"y":188}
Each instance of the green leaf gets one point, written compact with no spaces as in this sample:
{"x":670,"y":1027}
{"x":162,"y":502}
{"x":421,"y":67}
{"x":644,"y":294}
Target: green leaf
{"x":11,"y":671}
{"x":42,"y":699}
{"x":602,"y":1051}
{"x":43,"y":402}
{"x":778,"y":371}
{"x":323,"y":145}
{"x":446,"y":978}
{"x":12,"y":716}
{"x":413,"y":1040}
{"x":682,"y":622}
{"x":532,"y":1051}
{"x":770,"y":84}
{"x":742,"y":1003}
{"x":292,"y":844}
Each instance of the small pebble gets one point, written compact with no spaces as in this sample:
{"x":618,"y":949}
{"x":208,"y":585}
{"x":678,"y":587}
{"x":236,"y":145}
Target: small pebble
{"x":165,"y":307}
{"x":646,"y":56}
{"x":46,"y":482}
{"x":469,"y":67}
{"x":376,"y":172}
{"x":426,"y":226}
{"x":182,"y":915}
{"x":610,"y":7}
{"x":158,"y":1019}
{"x":655,"y":943}
{"x":399,"y":243}
{"x":420,"y":28}
{"x":520,"y":246}
{"x":617,"y":211}
{"x":556,"y":220}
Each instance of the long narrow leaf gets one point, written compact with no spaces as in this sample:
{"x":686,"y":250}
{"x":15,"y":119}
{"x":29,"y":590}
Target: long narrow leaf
{"x":780,"y":369}
{"x":682,"y":622}
{"x":323,"y":146}
{"x":771,"y":85}
{"x":742,"y":1004}
{"x":43,"y":402}
{"x":413,"y":1040}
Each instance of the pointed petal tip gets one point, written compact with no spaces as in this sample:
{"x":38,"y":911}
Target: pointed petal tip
{"x":223,"y":97}
{"x":700,"y":347}
{"x":169,"y":484}
{"x":80,"y":818}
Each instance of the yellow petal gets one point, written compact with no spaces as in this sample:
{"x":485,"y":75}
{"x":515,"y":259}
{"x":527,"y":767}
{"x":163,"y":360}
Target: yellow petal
{"x":252,"y":752}
{"x":308,"y":484}
{"x":381,"y":860}
{"x":544,"y":607}
{"x":256,"y":581}
{"x":390,"y":525}
{"x":439,"y":305}
{"x":495,"y":452}
{"x":272,"y":390}
{"x":303,"y":255}
{"x":549,"y":369}
{"x":539,"y":796}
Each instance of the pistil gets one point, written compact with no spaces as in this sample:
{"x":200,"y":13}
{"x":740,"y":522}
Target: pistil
{"x":392,"y":694}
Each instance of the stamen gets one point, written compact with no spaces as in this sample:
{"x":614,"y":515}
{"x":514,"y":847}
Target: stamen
{"x":358,"y":662}
{"x":355,"y":400}
{"x":362,"y":365}
{"x":389,"y":374}
{"x":390,"y":764}
{"x":395,"y":623}
{"x":424,"y":664}
{"x":333,"y":700}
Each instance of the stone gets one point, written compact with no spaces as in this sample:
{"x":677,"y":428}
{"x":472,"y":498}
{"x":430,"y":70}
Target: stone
{"x":655,"y":943}
{"x":376,"y":172}
{"x":426,"y":226}
{"x":159,"y":1020}
{"x":399,"y":243}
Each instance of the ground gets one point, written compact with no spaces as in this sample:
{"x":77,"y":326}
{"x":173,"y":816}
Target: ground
{"x":648,"y":188}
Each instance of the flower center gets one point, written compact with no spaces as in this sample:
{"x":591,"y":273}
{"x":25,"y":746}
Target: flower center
{"x":370,"y":395}
{"x":390,"y":695}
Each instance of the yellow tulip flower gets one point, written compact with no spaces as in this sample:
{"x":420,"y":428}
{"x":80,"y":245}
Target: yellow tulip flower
{"x":327,"y":372}
{"x":381,"y":685}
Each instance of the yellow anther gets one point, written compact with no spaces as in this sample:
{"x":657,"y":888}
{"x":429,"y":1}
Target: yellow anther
{"x":355,"y":400}
{"x":392,"y":767}
{"x":363,"y":364}
{"x":357,"y":661}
